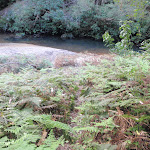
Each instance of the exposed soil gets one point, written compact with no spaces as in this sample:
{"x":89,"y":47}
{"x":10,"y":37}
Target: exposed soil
{"x":58,"y":57}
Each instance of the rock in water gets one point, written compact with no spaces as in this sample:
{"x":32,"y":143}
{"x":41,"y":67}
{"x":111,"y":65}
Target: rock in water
{"x":67,"y":36}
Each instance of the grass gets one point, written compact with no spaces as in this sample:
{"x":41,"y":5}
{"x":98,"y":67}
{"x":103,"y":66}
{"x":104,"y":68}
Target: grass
{"x":89,"y":107}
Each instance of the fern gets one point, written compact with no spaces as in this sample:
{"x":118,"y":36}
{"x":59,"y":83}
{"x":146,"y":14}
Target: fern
{"x":21,"y":143}
{"x":88,"y":99}
{"x":51,"y":143}
{"x":47,"y":122}
{"x":90,"y":129}
{"x":26,"y":133}
{"x":108,"y":123}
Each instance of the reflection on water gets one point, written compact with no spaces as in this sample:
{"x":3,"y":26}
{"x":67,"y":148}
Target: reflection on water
{"x":75,"y":45}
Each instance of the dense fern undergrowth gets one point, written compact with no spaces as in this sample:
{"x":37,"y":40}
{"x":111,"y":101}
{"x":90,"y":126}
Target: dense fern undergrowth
{"x":91,"y":107}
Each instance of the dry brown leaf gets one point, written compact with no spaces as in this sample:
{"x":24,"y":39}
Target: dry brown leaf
{"x":44,"y":134}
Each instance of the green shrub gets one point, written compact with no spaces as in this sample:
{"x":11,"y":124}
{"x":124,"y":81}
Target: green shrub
{"x":3,"y":24}
{"x":81,"y":18}
{"x":34,"y":17}
{"x":93,"y":20}
{"x":5,"y":3}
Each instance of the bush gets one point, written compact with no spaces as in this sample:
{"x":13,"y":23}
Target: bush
{"x":53,"y":17}
{"x":3,"y":24}
{"x":38,"y":17}
{"x":92,"y":20}
{"x":81,"y":18}
{"x":5,"y":3}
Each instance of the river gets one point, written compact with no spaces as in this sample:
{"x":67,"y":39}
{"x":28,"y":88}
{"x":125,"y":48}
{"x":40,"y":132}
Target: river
{"x":75,"y":45}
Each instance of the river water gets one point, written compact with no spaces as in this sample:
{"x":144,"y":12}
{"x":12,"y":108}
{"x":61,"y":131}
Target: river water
{"x":75,"y":45}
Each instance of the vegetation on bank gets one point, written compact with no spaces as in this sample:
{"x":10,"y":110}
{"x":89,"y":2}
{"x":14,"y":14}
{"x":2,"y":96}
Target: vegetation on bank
{"x":92,"y":107}
{"x":5,"y":3}
{"x":77,"y":18}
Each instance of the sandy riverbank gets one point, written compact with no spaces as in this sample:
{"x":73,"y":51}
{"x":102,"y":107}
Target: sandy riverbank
{"x":58,"y":57}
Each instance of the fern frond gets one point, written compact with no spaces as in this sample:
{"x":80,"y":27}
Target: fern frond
{"x":51,"y":143}
{"x":88,"y":128}
{"x":108,"y":123}
{"x":49,"y":123}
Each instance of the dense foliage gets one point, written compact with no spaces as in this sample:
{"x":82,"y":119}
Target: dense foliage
{"x":81,"y":108}
{"x":85,"y":18}
{"x":92,"y":107}
{"x":5,"y":3}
